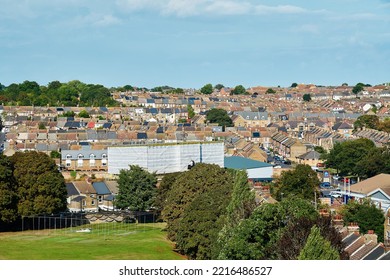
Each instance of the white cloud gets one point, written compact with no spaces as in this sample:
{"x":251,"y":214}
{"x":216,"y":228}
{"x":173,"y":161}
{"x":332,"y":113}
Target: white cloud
{"x":184,"y":8}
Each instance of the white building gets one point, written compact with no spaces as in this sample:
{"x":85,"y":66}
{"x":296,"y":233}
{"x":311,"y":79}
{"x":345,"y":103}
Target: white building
{"x":165,"y":158}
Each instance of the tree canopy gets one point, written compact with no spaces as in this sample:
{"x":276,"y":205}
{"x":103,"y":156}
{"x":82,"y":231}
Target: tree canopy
{"x":207,"y":89}
{"x":137,"y":189}
{"x":8,"y":191}
{"x":306,"y":97}
{"x":301,"y":182}
{"x":366,"y":214}
{"x":318,"y":248}
{"x":41,"y":187}
{"x":219,"y":116}
{"x":239,"y":90}
{"x":358,"y":88}
{"x":345,"y":156}
{"x":73,"y":93}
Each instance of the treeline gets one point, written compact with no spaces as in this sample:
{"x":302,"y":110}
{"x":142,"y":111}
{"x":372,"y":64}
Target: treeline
{"x":372,"y":122}
{"x":73,"y":93}
{"x":30,"y":184}
{"x":360,"y":158}
{"x":211,"y":213}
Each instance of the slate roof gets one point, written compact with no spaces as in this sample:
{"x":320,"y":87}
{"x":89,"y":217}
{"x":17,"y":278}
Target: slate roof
{"x":71,"y":189}
{"x":101,"y":188}
{"x":241,"y":163}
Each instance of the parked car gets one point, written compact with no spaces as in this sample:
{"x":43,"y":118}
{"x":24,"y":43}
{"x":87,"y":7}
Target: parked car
{"x":325,"y":185}
{"x":277,"y":166}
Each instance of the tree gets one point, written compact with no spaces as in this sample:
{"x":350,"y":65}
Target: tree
{"x":8,"y":195}
{"x":240,"y":207}
{"x":207,"y":89}
{"x":84,"y":114}
{"x":255,"y":238}
{"x":306,"y":97}
{"x":294,"y":237}
{"x":367,"y":121}
{"x":41,"y":125}
{"x":55,"y":154}
{"x":201,"y":223}
{"x":239,"y":90}
{"x":294,"y":85}
{"x":300,"y":182}
{"x":41,"y":187}
{"x":186,"y":188}
{"x":345,"y":156}
{"x":163,"y":188}
{"x":366,"y":215}
{"x":219,"y":116}
{"x":270,"y":91}
{"x":318,"y":248}
{"x":137,"y":189}
{"x":219,"y":86}
{"x":358,"y":88}
{"x":191,"y":112}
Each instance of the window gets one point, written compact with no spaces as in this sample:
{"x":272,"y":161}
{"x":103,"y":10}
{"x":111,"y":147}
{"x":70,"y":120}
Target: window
{"x":93,"y":202}
{"x":91,"y":160}
{"x":67,"y":164}
{"x":100,"y":198}
{"x":104,"y":156}
{"x":104,"y":163}
{"x":80,"y":156}
{"x":68,"y":156}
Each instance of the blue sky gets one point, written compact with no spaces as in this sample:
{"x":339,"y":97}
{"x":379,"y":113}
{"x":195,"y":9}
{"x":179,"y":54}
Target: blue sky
{"x":188,"y":43}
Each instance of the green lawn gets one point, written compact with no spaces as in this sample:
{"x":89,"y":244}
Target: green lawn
{"x":104,"y":242}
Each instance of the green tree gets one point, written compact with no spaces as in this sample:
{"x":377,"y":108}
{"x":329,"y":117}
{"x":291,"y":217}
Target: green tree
{"x":137,"y":189}
{"x":270,"y":91}
{"x":239,"y":90}
{"x":306,"y":97}
{"x":255,"y":238}
{"x":358,"y":88}
{"x":191,"y":112}
{"x":219,"y":116}
{"x":207,"y":89}
{"x":84,"y":114}
{"x":55,"y":154}
{"x":240,"y":207}
{"x":187,"y":186}
{"x":318,"y":248}
{"x":294,"y":237}
{"x":345,"y":156}
{"x":41,"y":187}
{"x":367,"y":121}
{"x":8,"y":195}
{"x":294,"y":85}
{"x":41,"y":125}
{"x":163,"y":188}
{"x":301,"y":182}
{"x":366,"y":215}
{"x":201,"y":223}
{"x":219,"y":86}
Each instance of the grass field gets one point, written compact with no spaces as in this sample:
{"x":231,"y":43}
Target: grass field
{"x":103,"y":242}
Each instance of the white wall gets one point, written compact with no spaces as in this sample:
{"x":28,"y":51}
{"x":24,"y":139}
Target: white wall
{"x":264,"y":172}
{"x":164,"y":158}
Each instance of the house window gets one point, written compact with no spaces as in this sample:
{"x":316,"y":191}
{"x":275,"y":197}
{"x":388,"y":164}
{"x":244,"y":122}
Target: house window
{"x":104,"y":163}
{"x":100,"y":198}
{"x":93,"y":202}
{"x":104,"y":156}
{"x":68,"y":156}
{"x":84,"y":203}
{"x":80,"y":156}
{"x":67,"y":164}
{"x":92,"y":160}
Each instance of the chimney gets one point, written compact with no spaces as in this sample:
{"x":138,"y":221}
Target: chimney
{"x":353,"y":228}
{"x":371,"y":236}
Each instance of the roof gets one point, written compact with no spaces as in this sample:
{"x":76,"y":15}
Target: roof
{"x":101,"y":188}
{"x":71,"y":190}
{"x":310,"y":155}
{"x":236,"y":162}
{"x":381,"y":181}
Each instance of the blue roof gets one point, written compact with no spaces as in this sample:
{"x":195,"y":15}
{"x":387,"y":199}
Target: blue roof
{"x":244,"y":163}
{"x":101,"y":188}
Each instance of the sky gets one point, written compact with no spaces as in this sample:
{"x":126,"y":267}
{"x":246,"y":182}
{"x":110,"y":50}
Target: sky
{"x":189,"y":43}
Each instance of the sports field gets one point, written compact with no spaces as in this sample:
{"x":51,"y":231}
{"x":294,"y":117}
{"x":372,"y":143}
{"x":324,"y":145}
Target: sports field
{"x":90,"y":242}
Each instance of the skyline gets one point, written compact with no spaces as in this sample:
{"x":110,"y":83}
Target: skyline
{"x":183,"y":43}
